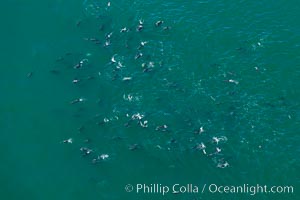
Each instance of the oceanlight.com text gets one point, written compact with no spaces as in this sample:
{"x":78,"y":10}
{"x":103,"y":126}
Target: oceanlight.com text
{"x":250,"y":189}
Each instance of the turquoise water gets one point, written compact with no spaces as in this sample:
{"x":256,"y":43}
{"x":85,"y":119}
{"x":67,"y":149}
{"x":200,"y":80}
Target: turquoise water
{"x":230,"y":67}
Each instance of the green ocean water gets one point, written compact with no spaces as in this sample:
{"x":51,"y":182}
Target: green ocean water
{"x":230,"y":67}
